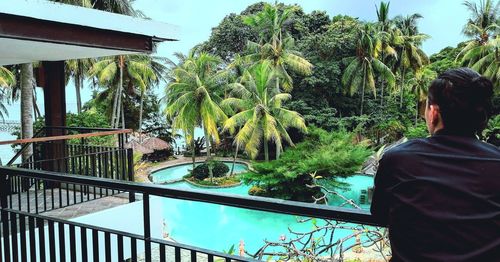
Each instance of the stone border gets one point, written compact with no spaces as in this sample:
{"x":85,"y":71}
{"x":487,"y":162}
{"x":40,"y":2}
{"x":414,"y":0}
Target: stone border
{"x":188,"y":161}
{"x":211,"y":187}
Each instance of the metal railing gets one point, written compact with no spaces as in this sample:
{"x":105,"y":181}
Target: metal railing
{"x":124,"y":245}
{"x":80,"y":158}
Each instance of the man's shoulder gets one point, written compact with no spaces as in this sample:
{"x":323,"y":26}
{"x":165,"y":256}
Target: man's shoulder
{"x":406,"y":148}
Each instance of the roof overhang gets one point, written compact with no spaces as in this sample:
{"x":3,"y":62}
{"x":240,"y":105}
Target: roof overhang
{"x":45,"y":31}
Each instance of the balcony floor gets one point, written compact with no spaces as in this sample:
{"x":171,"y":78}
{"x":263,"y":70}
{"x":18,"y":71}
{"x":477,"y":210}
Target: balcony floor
{"x":65,"y":206}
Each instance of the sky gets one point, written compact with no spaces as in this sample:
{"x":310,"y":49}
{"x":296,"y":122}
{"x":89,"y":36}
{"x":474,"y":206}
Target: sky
{"x":443,"y":21}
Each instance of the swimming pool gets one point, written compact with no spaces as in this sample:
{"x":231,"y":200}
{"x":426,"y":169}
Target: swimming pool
{"x":212,"y":226}
{"x":175,"y":173}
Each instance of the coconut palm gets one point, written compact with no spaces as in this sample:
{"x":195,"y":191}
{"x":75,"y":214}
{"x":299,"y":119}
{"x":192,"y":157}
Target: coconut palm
{"x":7,"y":78}
{"x":419,"y":85}
{"x":409,"y":40}
{"x":150,"y":71}
{"x":364,"y":65}
{"x":260,"y":118}
{"x":7,"y":81}
{"x":481,"y":52}
{"x":276,"y":45}
{"x":27,"y":86}
{"x":139,"y":72}
{"x":193,"y":98}
{"x":78,"y":69}
{"x":483,"y":22}
{"x":384,"y":43}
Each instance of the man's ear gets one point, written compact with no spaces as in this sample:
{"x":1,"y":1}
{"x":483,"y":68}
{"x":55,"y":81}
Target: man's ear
{"x":435,"y":114}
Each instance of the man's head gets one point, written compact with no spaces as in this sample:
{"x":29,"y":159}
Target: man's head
{"x":459,"y":100}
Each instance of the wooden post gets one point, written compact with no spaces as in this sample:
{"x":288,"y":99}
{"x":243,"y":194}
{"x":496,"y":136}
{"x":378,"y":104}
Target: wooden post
{"x":55,"y":111}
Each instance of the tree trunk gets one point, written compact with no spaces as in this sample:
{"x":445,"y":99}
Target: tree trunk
{"x":27,"y":81}
{"x":36,"y":110}
{"x":116,"y":103}
{"x":207,"y":141}
{"x":234,"y":159}
{"x":382,"y":84}
{"x":363,"y":91}
{"x":123,"y":116}
{"x":402,"y":87}
{"x":120,"y":100}
{"x":140,"y":115}
{"x":193,"y":152}
{"x":78,"y":84}
{"x":266,"y":150}
{"x":278,"y":151}
{"x":416,"y":114}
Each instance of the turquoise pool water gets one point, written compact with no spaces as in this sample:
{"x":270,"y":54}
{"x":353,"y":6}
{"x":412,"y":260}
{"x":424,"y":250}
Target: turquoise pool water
{"x":216,"y":227}
{"x":176,"y":173}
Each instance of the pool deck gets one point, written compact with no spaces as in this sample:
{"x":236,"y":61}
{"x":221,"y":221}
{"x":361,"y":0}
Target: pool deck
{"x":69,"y":208}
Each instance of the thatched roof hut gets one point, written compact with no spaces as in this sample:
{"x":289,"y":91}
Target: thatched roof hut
{"x":155,"y":143}
{"x":136,"y":146}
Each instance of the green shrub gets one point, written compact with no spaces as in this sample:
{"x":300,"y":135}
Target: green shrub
{"x":219,"y":169}
{"x":328,"y":154}
{"x":418,"y":131}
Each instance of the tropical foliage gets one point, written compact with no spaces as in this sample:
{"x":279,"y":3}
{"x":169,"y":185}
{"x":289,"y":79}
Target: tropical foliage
{"x":261,"y":117}
{"x":328,"y":155}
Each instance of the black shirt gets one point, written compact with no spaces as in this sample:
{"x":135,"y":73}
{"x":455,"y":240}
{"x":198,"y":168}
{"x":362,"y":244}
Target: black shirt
{"x":440,"y":197}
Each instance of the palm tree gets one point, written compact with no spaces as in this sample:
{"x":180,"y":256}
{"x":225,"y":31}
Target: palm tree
{"x":410,"y":54}
{"x":139,"y":72}
{"x":150,"y":71}
{"x":7,"y":81}
{"x":27,"y":85}
{"x":419,"y":85}
{"x":483,"y":22}
{"x":481,"y":52}
{"x":363,"y":66}
{"x":7,"y":78}
{"x":384,"y":39}
{"x":260,"y":118}
{"x":276,"y":45}
{"x":193,"y":98}
{"x":78,"y":69}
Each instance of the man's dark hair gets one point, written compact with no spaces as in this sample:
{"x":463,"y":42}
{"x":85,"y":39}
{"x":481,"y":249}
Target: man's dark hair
{"x":464,"y":100}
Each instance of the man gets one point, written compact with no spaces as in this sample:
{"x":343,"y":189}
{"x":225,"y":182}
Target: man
{"x":440,"y":196}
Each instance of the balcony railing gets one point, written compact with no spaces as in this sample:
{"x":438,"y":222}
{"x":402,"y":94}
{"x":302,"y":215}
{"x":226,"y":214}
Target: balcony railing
{"x":47,"y":238}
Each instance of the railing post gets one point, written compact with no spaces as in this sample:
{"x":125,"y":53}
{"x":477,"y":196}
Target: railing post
{"x":147,"y":227}
{"x":130,"y":172}
{"x":4,"y":190}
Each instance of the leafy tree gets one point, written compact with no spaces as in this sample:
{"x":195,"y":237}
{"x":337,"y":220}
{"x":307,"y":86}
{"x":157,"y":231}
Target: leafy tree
{"x":411,"y":56}
{"x":363,"y":66}
{"x":138,"y":72}
{"x":276,"y":45}
{"x":445,"y":59}
{"x":261,"y":117}
{"x":329,"y":155}
{"x":193,"y":99}
{"x":419,"y":85}
{"x":229,"y":37}
{"x":481,"y":52}
{"x":384,"y":45}
{"x":78,"y":70}
{"x":483,"y":22}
